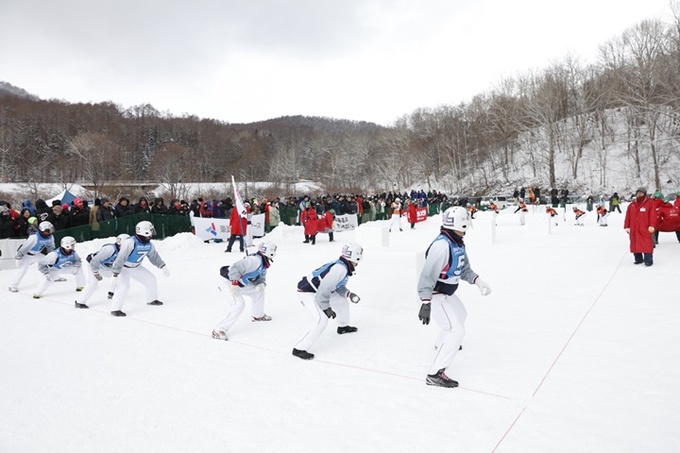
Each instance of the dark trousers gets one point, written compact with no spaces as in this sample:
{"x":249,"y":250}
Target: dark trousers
{"x":647,"y":258}
{"x":232,"y":238}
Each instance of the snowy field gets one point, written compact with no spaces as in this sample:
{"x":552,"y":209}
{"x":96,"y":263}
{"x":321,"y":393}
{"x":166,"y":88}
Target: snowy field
{"x":575,"y":350}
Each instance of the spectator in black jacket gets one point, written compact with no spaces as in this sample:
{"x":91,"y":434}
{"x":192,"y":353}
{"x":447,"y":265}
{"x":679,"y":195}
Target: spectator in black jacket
{"x":105,"y":211}
{"x":159,"y":206}
{"x":142,"y":206}
{"x":41,"y":210}
{"x":123,"y":207}
{"x":80,"y":214}
{"x":7,"y":229}
{"x":58,"y":218}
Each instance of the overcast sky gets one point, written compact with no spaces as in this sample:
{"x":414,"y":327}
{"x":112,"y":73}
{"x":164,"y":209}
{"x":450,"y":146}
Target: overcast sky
{"x":240,"y":61}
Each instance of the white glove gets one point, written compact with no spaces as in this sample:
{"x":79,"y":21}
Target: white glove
{"x":166,"y":271}
{"x":484,"y":288}
{"x":49,"y":277}
{"x":19,"y":263}
{"x":234,"y":288}
{"x":260,"y":287}
{"x":98,"y":276}
{"x":75,"y":270}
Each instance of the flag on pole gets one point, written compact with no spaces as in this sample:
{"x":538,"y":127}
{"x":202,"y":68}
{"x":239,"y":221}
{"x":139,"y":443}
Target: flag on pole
{"x":238,"y":201}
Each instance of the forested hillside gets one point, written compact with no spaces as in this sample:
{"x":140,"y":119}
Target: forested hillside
{"x":608,"y":125}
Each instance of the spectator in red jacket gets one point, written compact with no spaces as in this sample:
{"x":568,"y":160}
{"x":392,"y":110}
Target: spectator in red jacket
{"x":412,"y":215}
{"x":657,"y":200}
{"x":309,"y":220}
{"x":640,"y":223}
{"x":239,"y":228}
{"x":325,"y":223}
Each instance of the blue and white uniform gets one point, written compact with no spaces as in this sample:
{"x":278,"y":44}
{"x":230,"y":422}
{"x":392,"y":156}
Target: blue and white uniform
{"x":251,"y":275}
{"x":446,"y":264}
{"x":325,"y":287}
{"x":57,"y":263}
{"x":31,"y":251}
{"x":128,"y":264}
{"x":100,"y":262}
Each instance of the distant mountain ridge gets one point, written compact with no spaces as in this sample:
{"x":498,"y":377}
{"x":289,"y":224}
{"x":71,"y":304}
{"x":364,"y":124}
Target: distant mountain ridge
{"x":11,"y":90}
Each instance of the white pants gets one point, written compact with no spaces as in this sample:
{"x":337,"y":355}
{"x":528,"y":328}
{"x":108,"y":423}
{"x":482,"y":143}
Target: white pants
{"x":395,"y":220}
{"x":522,"y":217}
{"x":237,"y":304}
{"x":143,"y":276}
{"x":25,"y":262}
{"x":340,"y":306}
{"x":449,"y":313}
{"x":56,"y":273}
{"x":602,"y":220}
{"x":91,"y":283}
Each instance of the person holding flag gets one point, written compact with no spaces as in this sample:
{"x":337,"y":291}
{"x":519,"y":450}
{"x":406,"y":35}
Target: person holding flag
{"x":238,"y":220}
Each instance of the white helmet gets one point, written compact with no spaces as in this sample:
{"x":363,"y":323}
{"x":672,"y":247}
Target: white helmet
{"x":68,"y":243}
{"x":397,"y":200}
{"x":456,"y":218}
{"x":353,"y":252}
{"x":268,"y":249}
{"x":121,"y":237}
{"x":145,"y":229}
{"x":46,"y":226}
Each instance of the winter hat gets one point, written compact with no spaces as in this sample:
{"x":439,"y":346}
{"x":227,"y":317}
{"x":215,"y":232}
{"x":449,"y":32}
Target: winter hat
{"x":658,"y":194}
{"x":32,"y":220}
{"x":78,"y":201}
{"x":641,"y":189}
{"x":104,"y":200}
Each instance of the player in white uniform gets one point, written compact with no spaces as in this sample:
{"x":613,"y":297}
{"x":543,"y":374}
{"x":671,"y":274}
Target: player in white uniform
{"x":64,"y":260}
{"x":446,"y":264}
{"x":35,"y":247}
{"x":246,"y":277}
{"x":396,"y":214}
{"x":325,"y":295}
{"x":128,"y":264}
{"x":96,"y":266}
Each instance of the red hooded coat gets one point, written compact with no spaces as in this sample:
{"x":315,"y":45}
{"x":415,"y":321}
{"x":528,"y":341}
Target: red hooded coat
{"x":640,"y":215}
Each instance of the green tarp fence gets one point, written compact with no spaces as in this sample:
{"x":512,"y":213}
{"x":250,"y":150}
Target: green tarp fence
{"x":169,"y":225}
{"x":166,"y":225}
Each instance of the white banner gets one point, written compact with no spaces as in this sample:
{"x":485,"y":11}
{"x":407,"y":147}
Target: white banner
{"x":345,"y":222}
{"x":8,"y":252}
{"x":256,"y":225}
{"x":208,"y":228}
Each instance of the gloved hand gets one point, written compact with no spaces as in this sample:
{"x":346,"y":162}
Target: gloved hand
{"x":260,"y":287}
{"x":234,"y":287}
{"x":651,"y":229}
{"x":329,"y":312}
{"x":353,"y":297}
{"x":98,"y":276}
{"x":627,"y":230}
{"x":484,"y":288}
{"x":49,"y":277}
{"x":75,"y":270}
{"x":166,"y":271}
{"x":424,"y":313}
{"x":19,"y":263}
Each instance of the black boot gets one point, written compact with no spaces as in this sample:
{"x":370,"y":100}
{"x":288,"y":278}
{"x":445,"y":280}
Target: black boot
{"x":304,"y":355}
{"x":346,"y":329}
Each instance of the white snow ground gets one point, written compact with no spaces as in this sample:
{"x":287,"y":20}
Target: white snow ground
{"x":576,"y":349}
